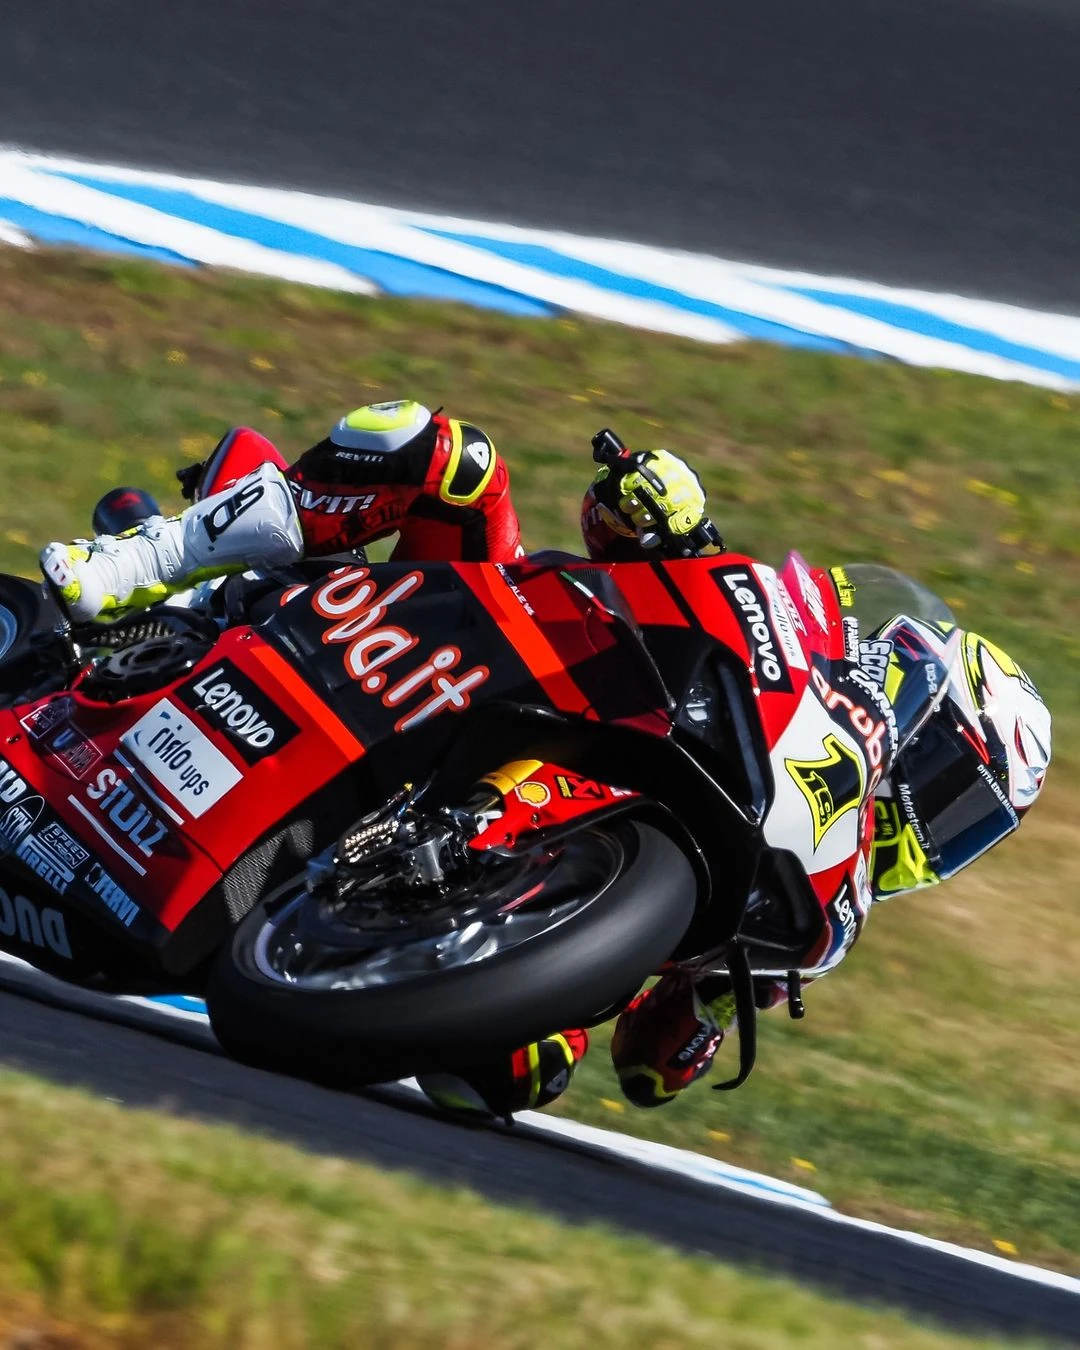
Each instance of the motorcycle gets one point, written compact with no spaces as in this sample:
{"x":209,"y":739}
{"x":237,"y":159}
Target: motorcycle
{"x":387,"y":816}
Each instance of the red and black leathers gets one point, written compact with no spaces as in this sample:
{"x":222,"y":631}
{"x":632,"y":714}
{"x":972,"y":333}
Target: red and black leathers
{"x":447,"y":495}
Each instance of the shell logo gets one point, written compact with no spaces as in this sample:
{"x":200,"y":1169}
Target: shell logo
{"x":533,"y":793}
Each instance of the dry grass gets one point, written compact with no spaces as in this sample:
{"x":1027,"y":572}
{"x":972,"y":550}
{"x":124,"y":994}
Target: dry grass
{"x":132,"y":1231}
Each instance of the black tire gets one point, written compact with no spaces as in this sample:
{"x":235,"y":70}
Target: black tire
{"x":26,"y":615}
{"x":561,"y":977}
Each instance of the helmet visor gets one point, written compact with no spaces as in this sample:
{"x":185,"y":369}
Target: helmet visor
{"x":951,"y":797}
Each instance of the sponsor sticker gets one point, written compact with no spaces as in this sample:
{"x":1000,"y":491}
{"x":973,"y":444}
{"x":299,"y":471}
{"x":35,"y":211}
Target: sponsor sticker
{"x":578,"y":789}
{"x":113,"y":897}
{"x":21,"y":919}
{"x":845,"y":590}
{"x":52,"y":855}
{"x":832,"y":785}
{"x":864,"y":895}
{"x":331,"y":504}
{"x":850,"y":625}
{"x":125,"y":810}
{"x":226,"y":513}
{"x":533,"y":793}
{"x":744,"y":593}
{"x":16,"y":821}
{"x":516,"y":590}
{"x":50,"y":725}
{"x":41,"y":720}
{"x":235,"y":705}
{"x":843,"y":912}
{"x":12,"y":786}
{"x":874,"y":660}
{"x":350,"y":599}
{"x":872,"y":732}
{"x":174,"y":752}
{"x":784,"y":617}
{"x":812,"y":595}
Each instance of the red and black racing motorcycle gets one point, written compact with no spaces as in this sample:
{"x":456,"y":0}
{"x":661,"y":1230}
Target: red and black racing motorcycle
{"x":377,"y":813}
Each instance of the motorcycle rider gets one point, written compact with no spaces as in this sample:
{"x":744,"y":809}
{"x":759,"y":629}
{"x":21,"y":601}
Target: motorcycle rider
{"x":439,"y":483}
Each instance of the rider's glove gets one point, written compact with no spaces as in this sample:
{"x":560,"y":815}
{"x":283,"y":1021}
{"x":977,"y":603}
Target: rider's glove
{"x":654,"y":498}
{"x":661,"y":493}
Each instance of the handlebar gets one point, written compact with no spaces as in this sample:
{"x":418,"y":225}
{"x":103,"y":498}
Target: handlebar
{"x":609,"y":449}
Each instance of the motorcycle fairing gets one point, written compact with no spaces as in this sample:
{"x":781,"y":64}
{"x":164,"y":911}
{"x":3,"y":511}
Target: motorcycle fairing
{"x":381,"y":665}
{"x":148,"y":854}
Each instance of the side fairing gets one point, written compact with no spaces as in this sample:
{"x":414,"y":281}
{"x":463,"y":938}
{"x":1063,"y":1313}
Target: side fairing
{"x":820,"y":776}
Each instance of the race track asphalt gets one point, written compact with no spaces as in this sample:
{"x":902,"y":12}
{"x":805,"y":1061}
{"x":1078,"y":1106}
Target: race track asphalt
{"x":926,"y":142}
{"x":46,"y":1031}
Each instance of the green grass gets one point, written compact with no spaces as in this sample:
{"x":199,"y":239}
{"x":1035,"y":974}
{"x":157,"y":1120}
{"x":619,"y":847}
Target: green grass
{"x":128,"y":1229}
{"x":934,"y":1082}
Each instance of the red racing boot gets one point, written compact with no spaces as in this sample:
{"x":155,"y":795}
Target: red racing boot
{"x":667,"y":1037}
{"x":531,"y":1077}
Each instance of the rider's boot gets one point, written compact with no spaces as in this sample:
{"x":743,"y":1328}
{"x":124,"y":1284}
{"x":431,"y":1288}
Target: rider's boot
{"x":531,"y":1077}
{"x":667,"y":1038}
{"x":253,"y":523}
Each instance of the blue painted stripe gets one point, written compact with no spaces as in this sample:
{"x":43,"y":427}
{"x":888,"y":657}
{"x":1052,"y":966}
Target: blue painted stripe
{"x":913,"y":320}
{"x":563,"y":265}
{"x":397,"y":276}
{"x":182,"y":1001}
{"x":54,"y":229}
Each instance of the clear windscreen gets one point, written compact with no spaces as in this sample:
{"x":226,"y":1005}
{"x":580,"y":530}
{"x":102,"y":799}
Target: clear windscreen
{"x":907,"y":637}
{"x":878,"y":594}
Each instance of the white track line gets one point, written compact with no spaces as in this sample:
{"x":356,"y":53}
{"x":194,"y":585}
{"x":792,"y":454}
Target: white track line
{"x":144,"y":225}
{"x":767,"y":294}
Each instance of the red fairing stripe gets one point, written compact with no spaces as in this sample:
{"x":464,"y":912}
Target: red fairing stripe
{"x":505,"y":605}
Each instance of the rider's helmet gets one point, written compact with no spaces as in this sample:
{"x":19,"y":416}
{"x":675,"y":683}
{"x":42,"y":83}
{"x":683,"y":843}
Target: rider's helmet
{"x":963,"y":781}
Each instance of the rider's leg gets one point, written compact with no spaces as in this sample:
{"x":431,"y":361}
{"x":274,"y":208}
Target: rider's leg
{"x":667,"y":1037}
{"x":531,"y":1077}
{"x":253,"y":523}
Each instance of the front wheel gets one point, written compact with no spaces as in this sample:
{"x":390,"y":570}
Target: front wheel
{"x":548,"y":939}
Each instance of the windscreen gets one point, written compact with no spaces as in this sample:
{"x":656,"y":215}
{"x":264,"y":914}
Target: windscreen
{"x":907,"y":636}
{"x":876,"y":594}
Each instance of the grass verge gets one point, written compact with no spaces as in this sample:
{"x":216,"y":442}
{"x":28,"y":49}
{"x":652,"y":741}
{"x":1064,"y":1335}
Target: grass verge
{"x":130,"y":1229}
{"x":935,"y":1082}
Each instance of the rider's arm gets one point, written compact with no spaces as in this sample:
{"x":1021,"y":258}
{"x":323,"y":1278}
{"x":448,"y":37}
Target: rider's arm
{"x":447,"y":496}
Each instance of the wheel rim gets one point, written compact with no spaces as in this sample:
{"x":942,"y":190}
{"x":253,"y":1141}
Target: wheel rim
{"x":9,"y":630}
{"x":529,"y":895}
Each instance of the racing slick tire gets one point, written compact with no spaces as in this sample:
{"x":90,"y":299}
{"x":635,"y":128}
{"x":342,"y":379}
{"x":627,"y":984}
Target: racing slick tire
{"x":595,"y":953}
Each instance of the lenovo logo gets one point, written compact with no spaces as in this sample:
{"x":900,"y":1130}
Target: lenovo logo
{"x":755,"y":612}
{"x":235,"y":705}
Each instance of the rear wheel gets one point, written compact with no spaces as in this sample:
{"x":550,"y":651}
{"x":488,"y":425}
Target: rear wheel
{"x":31,"y":661}
{"x":544,"y":939}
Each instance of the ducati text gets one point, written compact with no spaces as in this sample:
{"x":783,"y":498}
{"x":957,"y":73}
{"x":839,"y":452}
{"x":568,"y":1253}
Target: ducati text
{"x":43,"y":928}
